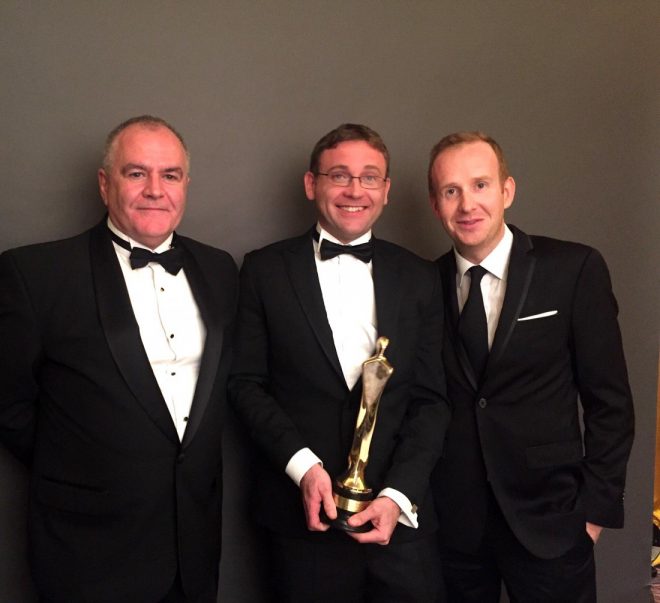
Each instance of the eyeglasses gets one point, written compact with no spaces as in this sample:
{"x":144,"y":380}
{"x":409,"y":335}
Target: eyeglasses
{"x":371,"y":181}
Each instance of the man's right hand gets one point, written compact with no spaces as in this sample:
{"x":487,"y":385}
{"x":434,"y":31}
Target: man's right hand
{"x":316,"y":490}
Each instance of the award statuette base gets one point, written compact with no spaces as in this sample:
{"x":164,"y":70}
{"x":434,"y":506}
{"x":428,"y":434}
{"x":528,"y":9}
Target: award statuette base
{"x":348,"y":502}
{"x":341,"y":523}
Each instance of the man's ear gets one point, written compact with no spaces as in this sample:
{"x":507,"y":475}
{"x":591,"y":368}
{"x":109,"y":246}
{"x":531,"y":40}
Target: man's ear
{"x":434,"y":204}
{"x":508,"y":191}
{"x":310,"y":182}
{"x":388,"y":183}
{"x":103,"y":185}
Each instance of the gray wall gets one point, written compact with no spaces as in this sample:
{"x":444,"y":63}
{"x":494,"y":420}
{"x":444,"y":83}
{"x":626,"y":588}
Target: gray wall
{"x":568,"y":88}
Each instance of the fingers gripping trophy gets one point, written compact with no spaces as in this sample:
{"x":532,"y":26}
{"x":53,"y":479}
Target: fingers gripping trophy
{"x":350,"y":491}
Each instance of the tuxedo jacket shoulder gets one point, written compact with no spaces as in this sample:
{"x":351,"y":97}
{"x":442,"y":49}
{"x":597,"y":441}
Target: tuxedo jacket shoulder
{"x":80,"y":404}
{"x":557,"y":342}
{"x":288,"y":387}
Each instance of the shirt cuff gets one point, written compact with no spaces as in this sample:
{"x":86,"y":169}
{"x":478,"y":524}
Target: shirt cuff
{"x":300,"y":463}
{"x":408,"y":515}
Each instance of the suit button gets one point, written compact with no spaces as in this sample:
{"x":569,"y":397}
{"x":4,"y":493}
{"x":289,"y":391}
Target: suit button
{"x":180,"y":458}
{"x":482,"y":403}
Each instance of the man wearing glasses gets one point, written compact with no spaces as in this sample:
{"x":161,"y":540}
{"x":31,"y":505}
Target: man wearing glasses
{"x":310,"y":312}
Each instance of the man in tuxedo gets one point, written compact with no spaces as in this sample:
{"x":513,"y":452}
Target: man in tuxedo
{"x":309,"y":315}
{"x":112,"y":382}
{"x":531,"y":329}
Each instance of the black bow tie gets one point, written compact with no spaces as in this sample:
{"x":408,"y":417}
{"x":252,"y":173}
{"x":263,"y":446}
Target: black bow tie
{"x":364,"y":251}
{"x":171,"y":260}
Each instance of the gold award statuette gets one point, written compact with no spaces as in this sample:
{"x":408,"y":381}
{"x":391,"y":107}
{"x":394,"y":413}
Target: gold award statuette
{"x":350,"y":491}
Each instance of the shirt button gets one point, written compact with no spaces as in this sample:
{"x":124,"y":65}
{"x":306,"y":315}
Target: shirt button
{"x":171,"y":335}
{"x":482,"y":403}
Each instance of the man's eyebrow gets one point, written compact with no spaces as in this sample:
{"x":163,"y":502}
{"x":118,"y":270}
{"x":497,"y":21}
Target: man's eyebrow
{"x":338,"y":166}
{"x":473,"y":179}
{"x":371,"y":167}
{"x":138,"y":166}
{"x":448,"y":185}
{"x":342,"y":166}
{"x":133,"y":166}
{"x":169,"y":170}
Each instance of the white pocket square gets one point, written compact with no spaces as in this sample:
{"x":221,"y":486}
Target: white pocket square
{"x":541,"y":315}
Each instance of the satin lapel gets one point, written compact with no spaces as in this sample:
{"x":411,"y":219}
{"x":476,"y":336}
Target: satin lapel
{"x":521,"y":269}
{"x":122,"y":332}
{"x":299,"y":260}
{"x":387,"y":293}
{"x":210,"y":360}
{"x":448,"y":271}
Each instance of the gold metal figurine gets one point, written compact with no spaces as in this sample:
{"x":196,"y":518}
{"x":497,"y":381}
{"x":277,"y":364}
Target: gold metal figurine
{"x":350,"y":491}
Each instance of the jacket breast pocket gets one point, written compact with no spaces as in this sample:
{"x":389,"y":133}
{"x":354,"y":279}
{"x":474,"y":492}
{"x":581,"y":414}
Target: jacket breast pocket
{"x":556,"y":453}
{"x":541,"y":333}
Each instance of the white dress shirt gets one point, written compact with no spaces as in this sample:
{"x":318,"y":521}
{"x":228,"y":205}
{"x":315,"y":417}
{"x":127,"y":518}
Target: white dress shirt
{"x":347,"y":286}
{"x":493,"y":284}
{"x":171,"y":328}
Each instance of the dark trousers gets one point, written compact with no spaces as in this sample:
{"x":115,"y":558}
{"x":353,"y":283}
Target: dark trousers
{"x":330,"y":567}
{"x":477,"y":577}
{"x":176,"y":594}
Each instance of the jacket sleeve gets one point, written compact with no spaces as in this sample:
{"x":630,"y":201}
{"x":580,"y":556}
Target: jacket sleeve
{"x":602,"y":381}
{"x":20,"y":356}
{"x":249,"y":382}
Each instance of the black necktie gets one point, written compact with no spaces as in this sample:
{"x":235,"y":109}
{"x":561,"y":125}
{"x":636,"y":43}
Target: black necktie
{"x":472,"y":326}
{"x":364,"y":251}
{"x":171,"y":259}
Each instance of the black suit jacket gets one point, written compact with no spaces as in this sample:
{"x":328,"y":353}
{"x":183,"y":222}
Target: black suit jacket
{"x":519,"y":430}
{"x":288,"y":386}
{"x":115,"y":496}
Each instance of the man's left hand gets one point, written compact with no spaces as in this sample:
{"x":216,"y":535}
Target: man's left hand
{"x":594,"y":531}
{"x":383,"y":513}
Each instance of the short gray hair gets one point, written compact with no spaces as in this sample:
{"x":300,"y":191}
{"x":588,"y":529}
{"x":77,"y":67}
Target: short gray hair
{"x":146,"y":121}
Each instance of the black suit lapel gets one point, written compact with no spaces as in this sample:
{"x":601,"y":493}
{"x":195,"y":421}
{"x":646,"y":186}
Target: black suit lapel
{"x":122,"y":332}
{"x":387,"y":293}
{"x":521,"y":269}
{"x":299,"y":260}
{"x":447,"y":265}
{"x":448,"y":271}
{"x":212,"y":346}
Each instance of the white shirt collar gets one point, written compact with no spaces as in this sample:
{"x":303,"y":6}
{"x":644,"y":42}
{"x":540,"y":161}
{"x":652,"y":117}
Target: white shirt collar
{"x":164,"y":246}
{"x":496,"y":262}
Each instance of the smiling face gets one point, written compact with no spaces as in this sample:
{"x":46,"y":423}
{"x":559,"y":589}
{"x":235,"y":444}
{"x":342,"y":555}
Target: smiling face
{"x":144,"y":188}
{"x":348,"y":212}
{"x":469,"y":198}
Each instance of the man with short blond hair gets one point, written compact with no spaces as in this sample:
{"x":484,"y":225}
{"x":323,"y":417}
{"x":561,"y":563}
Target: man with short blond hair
{"x":530,"y":330}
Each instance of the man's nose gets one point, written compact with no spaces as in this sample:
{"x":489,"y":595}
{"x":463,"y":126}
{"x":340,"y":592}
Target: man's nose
{"x":355,"y":187}
{"x":467,"y":202}
{"x":152,"y":187}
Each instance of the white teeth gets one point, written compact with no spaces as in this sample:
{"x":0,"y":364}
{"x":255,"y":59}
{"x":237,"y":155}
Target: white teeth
{"x":351,"y":208}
